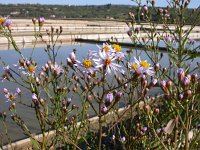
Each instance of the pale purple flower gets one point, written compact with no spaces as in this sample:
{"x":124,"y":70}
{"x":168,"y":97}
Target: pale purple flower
{"x":106,"y":61}
{"x":88,"y":64}
{"x":8,"y":22}
{"x":58,"y":70}
{"x":11,"y":96}
{"x":141,"y":67}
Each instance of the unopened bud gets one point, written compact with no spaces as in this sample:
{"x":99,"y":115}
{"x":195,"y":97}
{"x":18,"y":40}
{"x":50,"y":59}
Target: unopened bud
{"x":118,"y":96}
{"x":34,"y":20}
{"x":169,"y":84}
{"x":156,"y":111}
{"x":187,"y":94}
{"x":104,"y":110}
{"x":147,"y":108}
{"x":5,"y":91}
{"x":194,"y":78}
{"x":109,"y":99}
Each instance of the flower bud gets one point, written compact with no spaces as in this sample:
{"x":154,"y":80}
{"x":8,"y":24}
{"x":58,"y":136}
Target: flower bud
{"x":104,"y":110}
{"x":34,"y":98}
{"x":18,"y":91}
{"x":69,"y":62}
{"x":145,"y":8}
{"x":5,"y":91}
{"x":181,"y":74}
{"x":41,"y":21}
{"x":72,"y":56}
{"x":89,"y":98}
{"x":194,"y":78}
{"x":180,"y":96}
{"x":37,"y":81}
{"x":147,"y":108}
{"x":69,"y":100}
{"x":187,"y":94}
{"x":156,"y":111}
{"x":157,"y":67}
{"x":118,"y":96}
{"x":41,"y":101}
{"x":123,"y":139}
{"x":14,"y":105}
{"x":186,"y":82}
{"x":163,"y":85}
{"x":109,"y":99}
{"x":144,"y":129}
{"x":169,"y":84}
{"x":74,"y":106}
{"x":153,"y":83}
{"x":34,"y":20}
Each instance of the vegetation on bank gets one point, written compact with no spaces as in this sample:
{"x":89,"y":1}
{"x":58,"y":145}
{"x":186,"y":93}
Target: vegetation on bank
{"x":103,"y":79}
{"x":80,"y":12}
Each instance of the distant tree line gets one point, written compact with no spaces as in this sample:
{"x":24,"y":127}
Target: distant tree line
{"x":107,"y":11}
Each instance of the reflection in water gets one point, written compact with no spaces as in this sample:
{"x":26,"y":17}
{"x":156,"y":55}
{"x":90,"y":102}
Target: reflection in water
{"x":10,"y":57}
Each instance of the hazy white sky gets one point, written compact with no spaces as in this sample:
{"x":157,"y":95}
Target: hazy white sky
{"x":194,"y":3}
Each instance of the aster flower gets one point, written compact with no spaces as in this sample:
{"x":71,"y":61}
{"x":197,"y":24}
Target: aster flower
{"x":8,"y":22}
{"x":106,"y":47}
{"x":141,"y":67}
{"x":87,"y":63}
{"x":117,"y":50}
{"x":106,"y":61}
{"x":58,"y":70}
{"x":11,"y":96}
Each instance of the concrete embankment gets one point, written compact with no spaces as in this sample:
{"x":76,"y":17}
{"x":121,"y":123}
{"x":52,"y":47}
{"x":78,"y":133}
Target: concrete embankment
{"x":23,"y":30}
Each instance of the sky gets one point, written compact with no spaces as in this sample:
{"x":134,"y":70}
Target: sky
{"x":194,"y":3}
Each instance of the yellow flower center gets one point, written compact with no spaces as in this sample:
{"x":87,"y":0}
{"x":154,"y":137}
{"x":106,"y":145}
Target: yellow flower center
{"x":107,"y":61}
{"x":87,"y":63}
{"x":135,"y":66}
{"x":11,"y":97}
{"x":144,"y":64}
{"x":2,"y":20}
{"x":31,"y":68}
{"x":116,"y":47}
{"x":106,"y":48}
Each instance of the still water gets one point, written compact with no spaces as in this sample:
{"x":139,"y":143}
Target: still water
{"x":10,"y":57}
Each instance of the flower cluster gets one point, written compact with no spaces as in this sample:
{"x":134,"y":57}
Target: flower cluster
{"x":141,"y":67}
{"x":186,"y":82}
{"x":105,"y":59}
{"x":40,"y":21}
